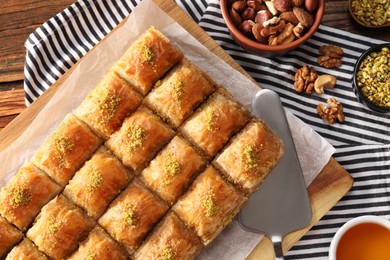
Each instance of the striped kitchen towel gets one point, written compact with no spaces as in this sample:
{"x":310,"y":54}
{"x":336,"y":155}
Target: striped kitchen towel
{"x":362,"y":142}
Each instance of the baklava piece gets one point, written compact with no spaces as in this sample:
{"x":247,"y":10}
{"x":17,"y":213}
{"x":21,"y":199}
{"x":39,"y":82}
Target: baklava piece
{"x":100,"y":246}
{"x":180,"y":92}
{"x":139,"y":139}
{"x":209,"y":205}
{"x":66,"y":149}
{"x":216,"y":121}
{"x":9,"y":236}
{"x":26,"y":250}
{"x":171,"y":172}
{"x":132,"y":215}
{"x":97,"y":183}
{"x":171,"y":240}
{"x":25,"y":195}
{"x":147,"y":60}
{"x":251,"y":156}
{"x":108,"y":104}
{"x":59,"y":228}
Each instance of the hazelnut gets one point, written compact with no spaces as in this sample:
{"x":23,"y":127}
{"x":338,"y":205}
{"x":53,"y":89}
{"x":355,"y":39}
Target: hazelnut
{"x":239,"y":6}
{"x":283,"y":5}
{"x":248,"y":14}
{"x":236,"y":18}
{"x":255,"y":4}
{"x":262,"y":16}
{"x":246,"y":27}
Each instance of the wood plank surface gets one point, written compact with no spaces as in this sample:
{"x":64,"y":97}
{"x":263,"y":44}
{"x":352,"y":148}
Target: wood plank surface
{"x":331,"y":184}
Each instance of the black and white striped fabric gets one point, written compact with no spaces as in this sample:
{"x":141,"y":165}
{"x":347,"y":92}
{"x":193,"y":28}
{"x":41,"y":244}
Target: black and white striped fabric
{"x":362,"y":142}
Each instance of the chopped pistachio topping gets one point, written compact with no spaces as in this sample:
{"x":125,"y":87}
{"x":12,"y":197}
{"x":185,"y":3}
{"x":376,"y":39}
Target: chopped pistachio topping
{"x":130,"y":217}
{"x":177,"y":90}
{"x":171,"y":166}
{"x":108,"y":105}
{"x":249,"y":158}
{"x":158,"y":83}
{"x":53,"y":225}
{"x":135,"y":136}
{"x":91,"y":255}
{"x":19,"y":196}
{"x":94,"y":179}
{"x":211,"y":123}
{"x":167,"y":253}
{"x":63,"y":144}
{"x":147,"y":54}
{"x":208,"y":204}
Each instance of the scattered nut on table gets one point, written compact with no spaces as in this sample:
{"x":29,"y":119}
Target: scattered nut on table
{"x":304,"y":79}
{"x":373,"y":78}
{"x":324,"y":81}
{"x":277,"y":21}
{"x":331,"y":113}
{"x":331,"y":56}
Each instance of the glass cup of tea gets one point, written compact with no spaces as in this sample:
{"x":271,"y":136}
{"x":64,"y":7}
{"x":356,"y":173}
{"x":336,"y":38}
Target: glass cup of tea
{"x":363,"y":238}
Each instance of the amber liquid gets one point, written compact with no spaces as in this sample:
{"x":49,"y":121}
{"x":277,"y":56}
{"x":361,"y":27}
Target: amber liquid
{"x":367,"y":241}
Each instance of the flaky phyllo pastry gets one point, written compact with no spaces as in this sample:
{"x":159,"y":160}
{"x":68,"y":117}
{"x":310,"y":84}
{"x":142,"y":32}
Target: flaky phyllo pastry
{"x":153,"y":164}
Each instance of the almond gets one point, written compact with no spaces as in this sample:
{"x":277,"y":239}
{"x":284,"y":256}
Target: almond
{"x":289,"y":17}
{"x":304,"y":17}
{"x":283,"y":5}
{"x":236,"y":18}
{"x":246,"y":27}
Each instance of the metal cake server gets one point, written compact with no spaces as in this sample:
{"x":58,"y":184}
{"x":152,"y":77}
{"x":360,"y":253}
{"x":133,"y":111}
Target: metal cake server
{"x":281,"y":205}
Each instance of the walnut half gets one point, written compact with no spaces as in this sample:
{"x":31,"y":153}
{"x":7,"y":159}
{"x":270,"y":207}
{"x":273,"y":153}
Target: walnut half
{"x":304,"y":79}
{"x":332,"y":113}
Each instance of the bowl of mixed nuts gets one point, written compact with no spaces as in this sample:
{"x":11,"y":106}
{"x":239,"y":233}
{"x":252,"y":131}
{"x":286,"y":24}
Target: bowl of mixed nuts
{"x":272,"y":27}
{"x":371,"y":78}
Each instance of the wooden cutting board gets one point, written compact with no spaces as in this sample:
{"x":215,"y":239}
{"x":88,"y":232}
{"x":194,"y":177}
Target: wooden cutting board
{"x":326,"y":190}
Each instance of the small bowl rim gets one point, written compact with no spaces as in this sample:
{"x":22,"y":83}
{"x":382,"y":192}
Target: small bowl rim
{"x":357,"y":91}
{"x":380,"y":220}
{"x":273,"y":48}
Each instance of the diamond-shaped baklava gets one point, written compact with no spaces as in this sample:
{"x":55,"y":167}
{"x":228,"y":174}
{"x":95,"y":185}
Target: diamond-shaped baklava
{"x":108,"y":104}
{"x":25,"y":195}
{"x":250,"y":156}
{"x":66,"y":150}
{"x":170,"y":240}
{"x":130,"y":217}
{"x":209,"y":205}
{"x":176,"y":96}
{"x":147,"y":60}
{"x":96,"y":184}
{"x":9,"y":236}
{"x":59,"y":228}
{"x":211,"y":127}
{"x":26,"y":250}
{"x":100,"y":246}
{"x":171,"y":172}
{"x":139,"y":139}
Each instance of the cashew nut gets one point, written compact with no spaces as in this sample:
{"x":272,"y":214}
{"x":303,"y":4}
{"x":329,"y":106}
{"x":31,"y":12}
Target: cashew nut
{"x":324,"y":81}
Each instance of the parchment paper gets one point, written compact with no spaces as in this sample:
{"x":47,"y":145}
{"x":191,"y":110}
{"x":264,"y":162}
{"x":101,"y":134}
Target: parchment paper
{"x":314,"y":152}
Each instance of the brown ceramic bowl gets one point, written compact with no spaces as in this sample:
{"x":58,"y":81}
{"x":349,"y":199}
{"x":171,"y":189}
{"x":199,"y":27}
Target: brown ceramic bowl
{"x":264,"y":49}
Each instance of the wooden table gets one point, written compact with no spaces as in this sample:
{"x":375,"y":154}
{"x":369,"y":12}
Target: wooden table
{"x":18,"y":18}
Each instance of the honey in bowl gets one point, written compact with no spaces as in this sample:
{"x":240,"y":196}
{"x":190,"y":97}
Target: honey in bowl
{"x":365,"y":241}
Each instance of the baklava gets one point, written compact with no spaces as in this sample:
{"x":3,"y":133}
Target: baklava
{"x":108,"y":104}
{"x":211,"y":127}
{"x":96,"y":184}
{"x":209,"y":205}
{"x":139,"y":139}
{"x":59,"y":228}
{"x":171,"y":240}
{"x":66,"y":150}
{"x":130,"y":217}
{"x":26,"y":250}
{"x":176,"y":96}
{"x":251,"y":156}
{"x":25,"y":195}
{"x":171,"y":172}
{"x":9,"y":236}
{"x":147,"y":60}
